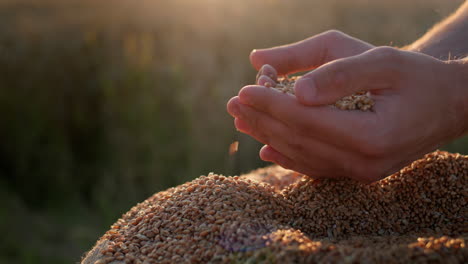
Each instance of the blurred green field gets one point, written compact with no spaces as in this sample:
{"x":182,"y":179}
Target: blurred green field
{"x":103,"y":103}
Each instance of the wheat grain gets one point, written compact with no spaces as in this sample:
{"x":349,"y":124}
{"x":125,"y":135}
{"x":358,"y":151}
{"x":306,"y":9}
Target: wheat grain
{"x":358,"y":101}
{"x":416,"y":215}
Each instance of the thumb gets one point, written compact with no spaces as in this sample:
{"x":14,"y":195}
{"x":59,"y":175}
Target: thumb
{"x":374,"y":69}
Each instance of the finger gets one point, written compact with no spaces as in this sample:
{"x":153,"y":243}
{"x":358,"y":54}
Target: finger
{"x":309,"y":53}
{"x":375,"y":69}
{"x":257,"y":124}
{"x":286,"y":108}
{"x":313,"y":169}
{"x":232,"y":107}
{"x":291,"y":145}
{"x":267,"y":70}
{"x":266,"y":81}
{"x":324,"y":123}
{"x":268,"y":153}
{"x":273,"y":132}
{"x":293,"y":152}
{"x":242,"y":126}
{"x":299,"y":56}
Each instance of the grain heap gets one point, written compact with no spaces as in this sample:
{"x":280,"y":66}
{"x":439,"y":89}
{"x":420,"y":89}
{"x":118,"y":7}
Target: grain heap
{"x":274,"y":215}
{"x":358,"y":101}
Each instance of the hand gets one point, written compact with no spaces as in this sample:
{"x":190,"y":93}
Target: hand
{"x":309,"y":53}
{"x":304,"y":55}
{"x":418,"y":106}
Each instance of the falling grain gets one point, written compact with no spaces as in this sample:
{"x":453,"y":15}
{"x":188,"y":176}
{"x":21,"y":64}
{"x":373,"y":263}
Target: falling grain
{"x":233,"y":147}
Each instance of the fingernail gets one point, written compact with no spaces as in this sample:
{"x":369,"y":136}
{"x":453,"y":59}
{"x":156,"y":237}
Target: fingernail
{"x":305,"y":90}
{"x":259,"y":74}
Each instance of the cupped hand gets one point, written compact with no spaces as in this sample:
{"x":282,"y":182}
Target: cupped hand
{"x":304,"y":55}
{"x":417,"y":108}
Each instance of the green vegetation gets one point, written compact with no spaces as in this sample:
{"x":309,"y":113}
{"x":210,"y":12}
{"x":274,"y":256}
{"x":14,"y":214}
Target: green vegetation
{"x":103,"y":103}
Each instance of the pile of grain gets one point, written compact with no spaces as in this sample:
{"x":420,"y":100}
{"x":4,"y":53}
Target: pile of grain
{"x":358,"y":101}
{"x":274,"y":215}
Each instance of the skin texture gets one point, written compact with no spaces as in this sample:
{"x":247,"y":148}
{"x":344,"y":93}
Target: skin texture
{"x":420,"y":104}
{"x":447,"y":40}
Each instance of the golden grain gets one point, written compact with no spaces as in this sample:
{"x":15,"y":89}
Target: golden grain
{"x":358,"y":101}
{"x":418,"y":214}
{"x":233,"y":147}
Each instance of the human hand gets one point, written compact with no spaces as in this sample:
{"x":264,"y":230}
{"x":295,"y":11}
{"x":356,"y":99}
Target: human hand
{"x":418,"y":106}
{"x":307,"y":54}
{"x":304,"y":55}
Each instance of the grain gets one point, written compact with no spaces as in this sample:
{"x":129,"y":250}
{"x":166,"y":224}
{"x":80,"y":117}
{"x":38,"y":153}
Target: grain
{"x":233,"y":147}
{"x":273,"y":215}
{"x":358,"y":101}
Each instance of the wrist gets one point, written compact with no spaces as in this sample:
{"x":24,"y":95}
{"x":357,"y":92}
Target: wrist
{"x":435,"y":51}
{"x":460,"y":95}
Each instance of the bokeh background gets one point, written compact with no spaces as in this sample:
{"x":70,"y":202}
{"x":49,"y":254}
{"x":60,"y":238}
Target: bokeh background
{"x":103,"y":103}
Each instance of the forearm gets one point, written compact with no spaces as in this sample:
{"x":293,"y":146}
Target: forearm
{"x":448,"y":39}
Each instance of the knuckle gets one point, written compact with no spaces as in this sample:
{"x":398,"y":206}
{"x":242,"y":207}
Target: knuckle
{"x":334,"y":76}
{"x":387,"y":53}
{"x":333,"y":35}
